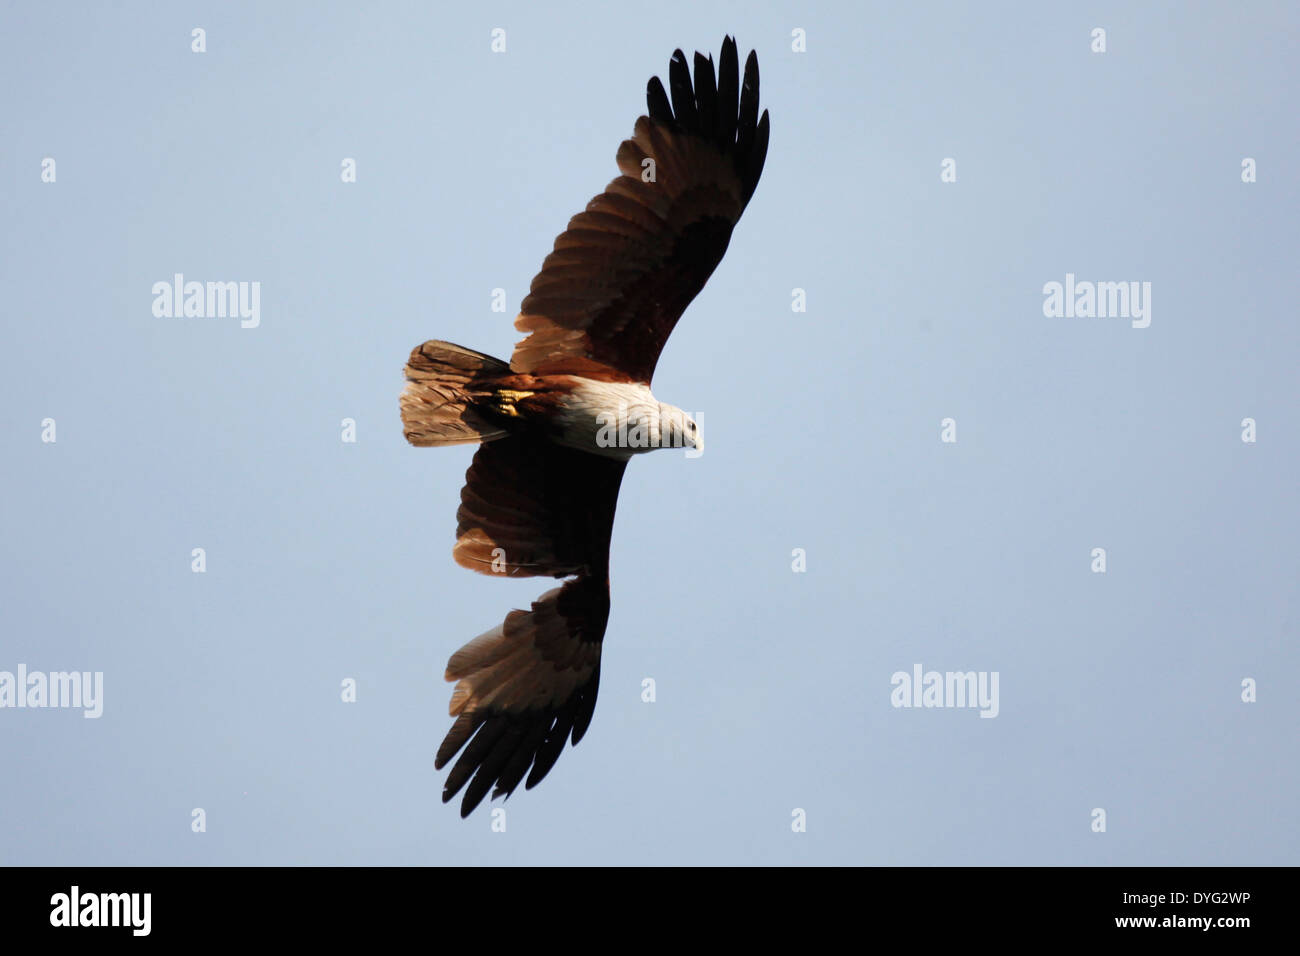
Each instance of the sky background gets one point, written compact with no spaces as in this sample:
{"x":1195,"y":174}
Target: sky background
{"x":328,"y":560}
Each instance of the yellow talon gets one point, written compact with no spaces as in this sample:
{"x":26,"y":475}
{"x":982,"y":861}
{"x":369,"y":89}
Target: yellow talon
{"x":506,"y":399}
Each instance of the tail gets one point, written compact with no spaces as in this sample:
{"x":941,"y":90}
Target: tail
{"x":444,"y":383}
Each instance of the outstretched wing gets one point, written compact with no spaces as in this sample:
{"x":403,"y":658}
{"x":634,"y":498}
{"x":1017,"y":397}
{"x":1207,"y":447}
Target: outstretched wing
{"x":624,"y":270}
{"x":530,"y":507}
{"x":523,"y":689}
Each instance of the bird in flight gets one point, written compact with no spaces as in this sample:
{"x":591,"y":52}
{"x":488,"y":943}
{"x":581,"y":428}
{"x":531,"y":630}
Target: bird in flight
{"x":557,"y":425}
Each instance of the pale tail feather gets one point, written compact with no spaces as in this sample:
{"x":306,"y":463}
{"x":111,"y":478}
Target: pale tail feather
{"x":443,"y":384}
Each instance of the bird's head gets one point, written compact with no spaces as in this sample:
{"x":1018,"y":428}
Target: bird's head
{"x":678,"y":430}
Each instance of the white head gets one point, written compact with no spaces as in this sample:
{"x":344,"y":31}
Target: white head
{"x":677,"y":429}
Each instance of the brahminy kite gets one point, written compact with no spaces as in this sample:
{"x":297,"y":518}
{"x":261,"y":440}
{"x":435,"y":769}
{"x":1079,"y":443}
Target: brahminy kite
{"x":559,"y":423}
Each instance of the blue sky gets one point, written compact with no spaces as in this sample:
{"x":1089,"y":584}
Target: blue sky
{"x":328,"y":560}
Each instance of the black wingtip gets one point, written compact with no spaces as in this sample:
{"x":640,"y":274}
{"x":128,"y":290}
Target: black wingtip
{"x":706,"y":97}
{"x":656,"y":100}
{"x":757,"y":157}
{"x":718,"y":105}
{"x":683,"y":93}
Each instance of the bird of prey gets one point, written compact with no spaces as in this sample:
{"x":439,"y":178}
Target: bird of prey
{"x":558,"y":423}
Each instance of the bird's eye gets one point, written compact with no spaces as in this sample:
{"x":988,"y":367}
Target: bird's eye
{"x":691,"y":425}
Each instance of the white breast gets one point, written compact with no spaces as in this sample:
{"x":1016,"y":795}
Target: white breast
{"x":615,"y":419}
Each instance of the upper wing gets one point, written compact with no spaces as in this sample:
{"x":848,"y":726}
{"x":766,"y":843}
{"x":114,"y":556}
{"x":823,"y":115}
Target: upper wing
{"x":624,"y":270}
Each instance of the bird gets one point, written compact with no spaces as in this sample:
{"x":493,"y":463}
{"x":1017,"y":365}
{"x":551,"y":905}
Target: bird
{"x":557,"y":425}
